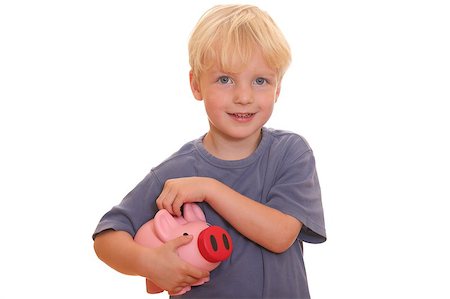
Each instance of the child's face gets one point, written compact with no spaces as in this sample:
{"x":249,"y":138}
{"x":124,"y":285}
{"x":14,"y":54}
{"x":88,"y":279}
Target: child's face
{"x":238,"y":104}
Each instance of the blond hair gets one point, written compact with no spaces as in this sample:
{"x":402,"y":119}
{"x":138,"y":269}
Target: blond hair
{"x":228,"y":35}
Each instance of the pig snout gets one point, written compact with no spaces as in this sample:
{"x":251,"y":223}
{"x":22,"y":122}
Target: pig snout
{"x":214,"y":244}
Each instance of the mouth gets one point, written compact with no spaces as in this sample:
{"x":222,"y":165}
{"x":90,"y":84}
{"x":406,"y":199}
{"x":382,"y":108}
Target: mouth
{"x":242,"y":115}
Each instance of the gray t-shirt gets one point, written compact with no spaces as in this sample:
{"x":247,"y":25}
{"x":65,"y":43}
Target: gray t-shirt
{"x":281,"y":174}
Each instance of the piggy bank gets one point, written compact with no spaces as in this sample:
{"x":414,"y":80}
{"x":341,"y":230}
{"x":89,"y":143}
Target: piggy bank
{"x":210,"y":244}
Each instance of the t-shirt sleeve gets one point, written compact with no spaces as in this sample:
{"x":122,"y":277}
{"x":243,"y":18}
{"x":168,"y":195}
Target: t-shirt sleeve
{"x":136,"y":208}
{"x":296,"y":192}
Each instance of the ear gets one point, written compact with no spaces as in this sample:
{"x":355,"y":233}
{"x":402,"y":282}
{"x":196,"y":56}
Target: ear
{"x":192,"y":212}
{"x":195,"y":86}
{"x":165,"y":224}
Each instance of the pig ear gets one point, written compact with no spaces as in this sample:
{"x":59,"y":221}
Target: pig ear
{"x":165,"y":224}
{"x":192,"y":212}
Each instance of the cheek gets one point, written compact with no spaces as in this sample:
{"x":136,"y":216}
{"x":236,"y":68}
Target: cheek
{"x":268,"y":101}
{"x":267,"y":95}
{"x":269,"y":110}
{"x":215,"y":99}
{"x":213,"y":109}
{"x":267,"y":107}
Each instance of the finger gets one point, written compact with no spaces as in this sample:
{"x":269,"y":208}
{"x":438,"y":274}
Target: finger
{"x":180,"y":241}
{"x":174,"y":291}
{"x":176,"y":205}
{"x":195,"y":274}
{"x":192,"y":274}
{"x":160,"y":199}
{"x":167,"y":202}
{"x":179,"y":290}
{"x":165,"y":194}
{"x":189,"y":270}
{"x":188,"y":281}
{"x":158,"y":203}
{"x":164,"y":201}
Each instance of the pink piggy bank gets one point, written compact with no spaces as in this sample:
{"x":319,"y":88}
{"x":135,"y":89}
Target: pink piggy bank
{"x":210,"y":244}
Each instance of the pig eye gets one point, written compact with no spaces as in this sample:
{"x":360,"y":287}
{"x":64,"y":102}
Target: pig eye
{"x":213,"y":242}
{"x":185,"y":234}
{"x":225,"y":241}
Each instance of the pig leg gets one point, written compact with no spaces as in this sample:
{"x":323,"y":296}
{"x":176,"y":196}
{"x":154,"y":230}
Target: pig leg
{"x":154,"y":289}
{"x":186,"y":289}
{"x":201,"y":281}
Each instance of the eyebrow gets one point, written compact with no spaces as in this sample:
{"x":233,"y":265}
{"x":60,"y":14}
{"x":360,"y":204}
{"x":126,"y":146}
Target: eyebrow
{"x":259,"y":73}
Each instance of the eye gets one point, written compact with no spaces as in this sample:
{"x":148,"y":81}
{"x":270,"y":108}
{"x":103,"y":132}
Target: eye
{"x":224,"y":80}
{"x":260,"y":81}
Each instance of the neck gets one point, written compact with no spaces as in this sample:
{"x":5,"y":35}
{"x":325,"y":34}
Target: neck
{"x":230,"y":149}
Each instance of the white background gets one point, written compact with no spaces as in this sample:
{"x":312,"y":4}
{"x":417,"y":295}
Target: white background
{"x":95,"y":93}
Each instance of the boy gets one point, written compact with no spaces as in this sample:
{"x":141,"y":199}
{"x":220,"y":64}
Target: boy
{"x":257,"y":183}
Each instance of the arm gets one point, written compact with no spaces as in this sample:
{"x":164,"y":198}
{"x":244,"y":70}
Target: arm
{"x":264,"y":225}
{"x":161,"y":265}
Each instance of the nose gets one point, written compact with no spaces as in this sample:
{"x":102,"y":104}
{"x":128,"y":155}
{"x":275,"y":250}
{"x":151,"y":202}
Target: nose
{"x":243,"y":95}
{"x":215,"y":244}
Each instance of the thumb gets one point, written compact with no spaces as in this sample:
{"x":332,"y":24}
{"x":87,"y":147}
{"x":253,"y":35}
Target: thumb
{"x":180,"y":241}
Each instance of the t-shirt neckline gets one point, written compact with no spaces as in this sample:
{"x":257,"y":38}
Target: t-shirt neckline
{"x":234,"y":163}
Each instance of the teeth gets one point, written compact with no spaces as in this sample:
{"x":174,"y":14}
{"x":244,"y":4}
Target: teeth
{"x":243,"y":115}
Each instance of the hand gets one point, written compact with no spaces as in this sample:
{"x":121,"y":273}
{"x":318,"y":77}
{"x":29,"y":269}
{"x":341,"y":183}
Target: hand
{"x":170,"y":272}
{"x":178,"y":191}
